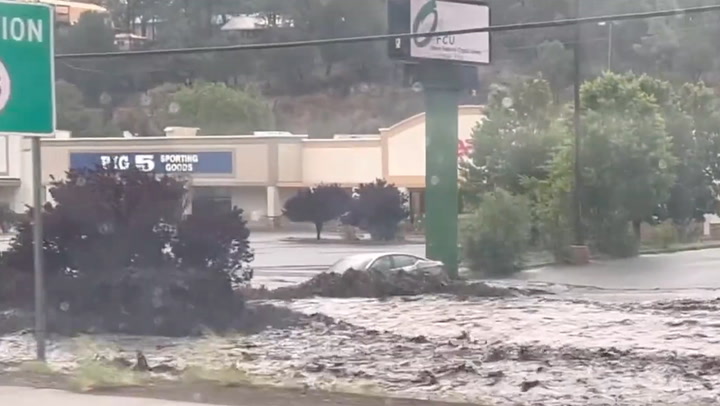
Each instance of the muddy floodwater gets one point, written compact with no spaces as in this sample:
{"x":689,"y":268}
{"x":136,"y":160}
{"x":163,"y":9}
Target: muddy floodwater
{"x":574,"y":346}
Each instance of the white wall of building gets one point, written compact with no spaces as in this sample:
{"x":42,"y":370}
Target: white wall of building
{"x":253,"y":200}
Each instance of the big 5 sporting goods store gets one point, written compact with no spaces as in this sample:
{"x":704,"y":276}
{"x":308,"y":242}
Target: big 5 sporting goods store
{"x":256,"y":172}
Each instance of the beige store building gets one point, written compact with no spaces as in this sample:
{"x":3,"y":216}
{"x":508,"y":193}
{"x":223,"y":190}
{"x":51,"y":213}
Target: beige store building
{"x":254,"y":172}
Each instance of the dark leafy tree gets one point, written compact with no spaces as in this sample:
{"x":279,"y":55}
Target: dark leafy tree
{"x":317,"y":205}
{"x":121,"y":255}
{"x":103,"y":220}
{"x":215,"y":241}
{"x":378,"y":208}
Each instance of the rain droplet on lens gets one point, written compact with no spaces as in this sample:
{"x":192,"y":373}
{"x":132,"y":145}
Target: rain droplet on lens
{"x":105,"y":228}
{"x":434,"y":180}
{"x":64,"y":306}
{"x":145,"y":100}
{"x":105,"y":98}
{"x":174,"y":108}
{"x":507,"y":102}
{"x":80,"y":181}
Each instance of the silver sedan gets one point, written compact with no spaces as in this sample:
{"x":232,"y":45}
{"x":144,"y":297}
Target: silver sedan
{"x":386,"y":262}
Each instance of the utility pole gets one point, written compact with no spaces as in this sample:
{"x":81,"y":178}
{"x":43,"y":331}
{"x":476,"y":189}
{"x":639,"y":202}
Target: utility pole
{"x":579,"y":237}
{"x":610,"y":45}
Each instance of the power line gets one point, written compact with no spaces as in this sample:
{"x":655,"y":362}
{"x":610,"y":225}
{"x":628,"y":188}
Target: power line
{"x":387,"y":37}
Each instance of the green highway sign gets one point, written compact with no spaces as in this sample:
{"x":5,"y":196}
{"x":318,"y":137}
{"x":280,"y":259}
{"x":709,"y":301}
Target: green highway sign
{"x":27,"y":88}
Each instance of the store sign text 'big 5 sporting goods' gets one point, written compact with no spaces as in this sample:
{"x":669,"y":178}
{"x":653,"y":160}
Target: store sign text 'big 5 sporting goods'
{"x":215,"y":162}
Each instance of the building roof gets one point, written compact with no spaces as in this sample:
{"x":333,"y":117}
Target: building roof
{"x":245,"y":23}
{"x":74,"y":4}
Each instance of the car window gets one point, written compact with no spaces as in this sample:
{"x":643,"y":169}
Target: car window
{"x":358,"y":263}
{"x":383,"y":263}
{"x":401,"y":261}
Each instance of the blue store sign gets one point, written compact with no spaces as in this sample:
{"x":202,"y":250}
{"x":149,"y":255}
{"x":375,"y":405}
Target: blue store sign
{"x":216,"y":162}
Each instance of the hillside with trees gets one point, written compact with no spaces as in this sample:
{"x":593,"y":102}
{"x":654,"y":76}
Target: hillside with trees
{"x":346,"y":88}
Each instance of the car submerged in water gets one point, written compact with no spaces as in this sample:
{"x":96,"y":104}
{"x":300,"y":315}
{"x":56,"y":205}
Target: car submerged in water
{"x":387,"y":262}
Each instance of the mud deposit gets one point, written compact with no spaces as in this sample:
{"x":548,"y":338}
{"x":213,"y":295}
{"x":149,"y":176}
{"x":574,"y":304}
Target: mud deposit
{"x":574,"y":347}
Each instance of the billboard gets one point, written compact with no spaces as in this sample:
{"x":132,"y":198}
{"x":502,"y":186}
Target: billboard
{"x":214,"y":162}
{"x":430,"y":16}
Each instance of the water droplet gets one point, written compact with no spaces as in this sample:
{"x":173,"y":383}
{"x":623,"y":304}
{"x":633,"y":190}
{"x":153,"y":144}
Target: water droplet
{"x":145,"y":100}
{"x":434,"y":180}
{"x":105,"y":98}
{"x":106,"y":228}
{"x":507,"y":102}
{"x":174,"y":108}
{"x":80,"y":181}
{"x":417,"y":87}
{"x":64,"y":306}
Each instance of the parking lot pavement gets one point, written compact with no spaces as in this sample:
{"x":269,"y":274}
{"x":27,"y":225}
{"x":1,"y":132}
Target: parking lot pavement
{"x":281,"y":261}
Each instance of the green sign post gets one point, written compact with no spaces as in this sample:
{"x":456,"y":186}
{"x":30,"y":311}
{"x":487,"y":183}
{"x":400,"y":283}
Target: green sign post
{"x":442,"y":90}
{"x":27,"y":108}
{"x":440,"y":61}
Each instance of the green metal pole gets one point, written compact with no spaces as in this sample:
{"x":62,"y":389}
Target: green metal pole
{"x":441,"y":84}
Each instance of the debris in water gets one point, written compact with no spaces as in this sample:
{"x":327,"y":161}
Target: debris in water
{"x":419,"y":340}
{"x":527,"y":385}
{"x":142,"y":364}
{"x":426,"y":378}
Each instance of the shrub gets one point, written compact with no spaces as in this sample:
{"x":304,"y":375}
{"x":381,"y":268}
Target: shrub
{"x":497,"y":235}
{"x":216,"y":241}
{"x":121,"y":256}
{"x":665,"y":234}
{"x":612,"y":234}
{"x":378,"y":208}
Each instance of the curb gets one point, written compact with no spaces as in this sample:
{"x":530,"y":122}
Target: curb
{"x":680,"y":249}
{"x":326,"y":241}
{"x":655,"y":251}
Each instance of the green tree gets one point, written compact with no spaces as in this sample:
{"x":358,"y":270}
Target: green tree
{"x":515,"y":140}
{"x":74,"y":116}
{"x":696,"y":145}
{"x":317,"y":205}
{"x":219,"y":110}
{"x":377,"y":208}
{"x":555,"y":62}
{"x":676,"y":48}
{"x":628,"y":166}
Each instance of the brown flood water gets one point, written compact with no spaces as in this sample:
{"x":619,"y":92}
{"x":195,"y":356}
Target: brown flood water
{"x":577,"y":346}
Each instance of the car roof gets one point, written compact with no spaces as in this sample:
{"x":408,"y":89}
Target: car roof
{"x":373,"y":255}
